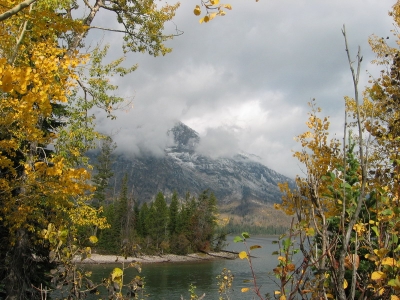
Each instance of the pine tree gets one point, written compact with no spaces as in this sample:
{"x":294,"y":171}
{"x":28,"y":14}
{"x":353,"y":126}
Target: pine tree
{"x":158,"y":231}
{"x":173,"y":214}
{"x":121,"y":222}
{"x":143,"y":216}
{"x":136,"y":218}
{"x":104,"y":171}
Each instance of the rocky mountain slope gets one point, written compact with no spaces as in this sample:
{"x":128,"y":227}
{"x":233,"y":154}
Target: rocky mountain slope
{"x":240,"y":179}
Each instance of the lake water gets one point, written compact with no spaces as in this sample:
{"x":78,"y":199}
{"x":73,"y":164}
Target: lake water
{"x":170,"y":281}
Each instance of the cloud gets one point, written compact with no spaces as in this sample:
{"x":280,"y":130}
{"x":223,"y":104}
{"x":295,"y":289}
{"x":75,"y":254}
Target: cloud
{"x":243,"y":81}
{"x":210,"y":143}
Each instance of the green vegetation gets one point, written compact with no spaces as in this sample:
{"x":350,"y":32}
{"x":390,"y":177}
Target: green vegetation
{"x":179,"y":228}
{"x":232,"y":228}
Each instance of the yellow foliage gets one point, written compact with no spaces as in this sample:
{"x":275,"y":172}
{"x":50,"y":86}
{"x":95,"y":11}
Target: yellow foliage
{"x":389,"y":261}
{"x":243,"y":255}
{"x":35,"y":74}
{"x":213,"y":8}
{"x":359,"y":228}
{"x":378,"y":275}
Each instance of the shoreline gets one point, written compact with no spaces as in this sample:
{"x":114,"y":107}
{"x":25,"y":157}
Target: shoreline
{"x":149,"y":259}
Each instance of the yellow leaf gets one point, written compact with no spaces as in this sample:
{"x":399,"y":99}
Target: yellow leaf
{"x":116,"y":274}
{"x":277,"y":206}
{"x":345,"y":284}
{"x":381,"y":252}
{"x":310,"y":231}
{"x":214,"y":2}
{"x":394,"y":297}
{"x":359,"y":228}
{"x":277,"y":293}
{"x":243,"y":255}
{"x":283,"y":297}
{"x":244,"y":290}
{"x":212,"y":16}
{"x":378,"y":275}
{"x":389,"y":261}
{"x":227,"y":6}
{"x":197,"y":10}
{"x":93,"y":239}
{"x":255,"y":247}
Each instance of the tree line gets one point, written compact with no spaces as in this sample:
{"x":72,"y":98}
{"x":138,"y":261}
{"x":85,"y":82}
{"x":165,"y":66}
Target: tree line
{"x":179,"y":227}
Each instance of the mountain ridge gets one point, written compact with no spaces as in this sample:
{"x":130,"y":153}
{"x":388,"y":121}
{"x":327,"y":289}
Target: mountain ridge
{"x":239,"y":179}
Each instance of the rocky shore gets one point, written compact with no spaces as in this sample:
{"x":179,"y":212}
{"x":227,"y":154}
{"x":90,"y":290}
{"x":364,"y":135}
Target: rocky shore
{"x":167,"y":258}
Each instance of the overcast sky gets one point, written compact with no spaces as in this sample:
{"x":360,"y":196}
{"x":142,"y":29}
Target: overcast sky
{"x":243,"y":81}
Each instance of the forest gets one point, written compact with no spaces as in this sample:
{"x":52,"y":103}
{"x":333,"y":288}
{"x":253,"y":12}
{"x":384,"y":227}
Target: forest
{"x":159,"y":228}
{"x":345,"y":207}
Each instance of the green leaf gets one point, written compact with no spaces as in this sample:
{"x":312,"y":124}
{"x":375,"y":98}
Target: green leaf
{"x":395,"y":239}
{"x":237,"y":239}
{"x":245,"y":235}
{"x":275,"y":253}
{"x":286,"y":243}
{"x":346,"y":185}
{"x":387,"y":212}
{"x":375,"y":229}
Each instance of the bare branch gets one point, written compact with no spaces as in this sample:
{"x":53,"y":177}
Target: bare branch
{"x":126,"y":32}
{"x":354,"y":217}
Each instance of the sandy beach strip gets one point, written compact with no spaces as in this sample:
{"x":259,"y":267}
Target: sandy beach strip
{"x":145,"y":259}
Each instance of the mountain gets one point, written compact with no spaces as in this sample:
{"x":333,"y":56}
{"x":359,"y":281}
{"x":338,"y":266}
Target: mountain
{"x":240,"y":180}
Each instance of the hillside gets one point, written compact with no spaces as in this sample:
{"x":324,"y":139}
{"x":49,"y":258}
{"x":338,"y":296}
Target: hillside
{"x":241,"y":183}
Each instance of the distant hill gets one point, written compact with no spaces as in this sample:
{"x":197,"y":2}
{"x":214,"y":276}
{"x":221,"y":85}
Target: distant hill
{"x":239,"y":183}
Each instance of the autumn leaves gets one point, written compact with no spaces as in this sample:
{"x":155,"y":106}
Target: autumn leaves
{"x":213,"y":8}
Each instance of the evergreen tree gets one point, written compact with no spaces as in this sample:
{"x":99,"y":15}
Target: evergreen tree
{"x":121,"y":222}
{"x":103,"y":171}
{"x":107,"y":239}
{"x":173,"y":214}
{"x":117,"y":214}
{"x":136,"y":218}
{"x":158,"y":231}
{"x":143,"y":217}
{"x":203,"y":221}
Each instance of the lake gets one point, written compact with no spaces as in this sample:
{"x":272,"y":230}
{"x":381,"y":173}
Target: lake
{"x":170,"y":281}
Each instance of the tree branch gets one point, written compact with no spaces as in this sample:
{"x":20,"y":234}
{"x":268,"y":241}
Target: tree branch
{"x":354,"y":217}
{"x":20,"y":38}
{"x":16,"y":9}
